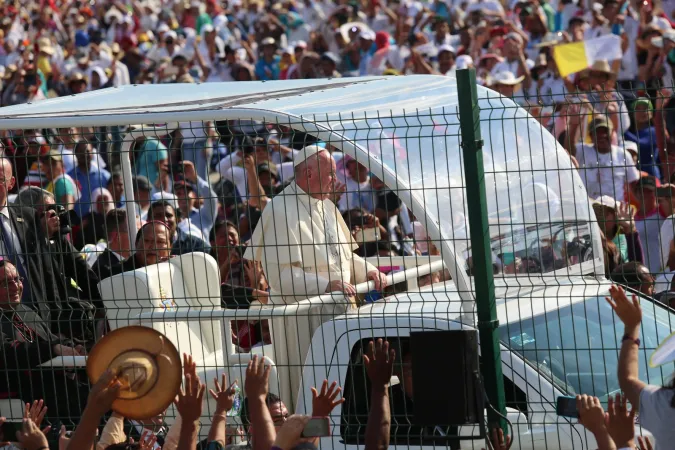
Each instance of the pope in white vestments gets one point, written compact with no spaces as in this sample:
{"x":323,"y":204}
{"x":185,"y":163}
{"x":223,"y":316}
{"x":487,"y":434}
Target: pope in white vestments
{"x":306,"y":249}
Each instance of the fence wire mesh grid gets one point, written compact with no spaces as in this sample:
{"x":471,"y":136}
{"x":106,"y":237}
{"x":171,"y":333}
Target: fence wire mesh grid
{"x":217,"y":232}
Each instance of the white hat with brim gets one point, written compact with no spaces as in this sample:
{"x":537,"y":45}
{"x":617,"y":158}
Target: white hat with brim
{"x":605,"y":201}
{"x":669,"y":35}
{"x":305,"y":153}
{"x":664,"y":353}
{"x":507,"y":78}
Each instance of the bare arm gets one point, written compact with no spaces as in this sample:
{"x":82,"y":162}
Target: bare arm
{"x":379,"y":364}
{"x":257,"y":387}
{"x":256,"y":193}
{"x":630,"y":313}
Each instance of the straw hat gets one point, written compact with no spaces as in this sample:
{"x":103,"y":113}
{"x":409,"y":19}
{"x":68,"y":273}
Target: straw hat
{"x":146,"y":363}
{"x":601,"y":65}
{"x":507,"y":78}
{"x":45,"y":46}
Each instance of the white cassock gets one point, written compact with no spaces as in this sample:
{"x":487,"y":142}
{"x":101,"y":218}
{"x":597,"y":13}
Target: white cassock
{"x":303,"y":244}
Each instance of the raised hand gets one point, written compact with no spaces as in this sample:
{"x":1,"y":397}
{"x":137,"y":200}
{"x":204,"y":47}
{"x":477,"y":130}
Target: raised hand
{"x":323,"y":403}
{"x":625,"y":217}
{"x":379,"y":362}
{"x":30,"y":436}
{"x":591,"y":414}
{"x":224,"y":397}
{"x":36,"y":412}
{"x":629,"y":311}
{"x":104,"y":393}
{"x":189,"y":366}
{"x":64,"y":440}
{"x":257,"y":378}
{"x":189,"y":401}
{"x":289,"y":434}
{"x":148,"y":440}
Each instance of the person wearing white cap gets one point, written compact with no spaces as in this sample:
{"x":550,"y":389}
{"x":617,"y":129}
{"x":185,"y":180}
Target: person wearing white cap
{"x":655,"y":403}
{"x":306,"y":249}
{"x":367,"y":50}
{"x":267,"y":68}
{"x":617,"y":222}
{"x":170,"y":48}
{"x":446,"y":59}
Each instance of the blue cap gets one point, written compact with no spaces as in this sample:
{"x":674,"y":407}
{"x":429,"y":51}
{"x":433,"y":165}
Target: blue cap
{"x":81,"y":39}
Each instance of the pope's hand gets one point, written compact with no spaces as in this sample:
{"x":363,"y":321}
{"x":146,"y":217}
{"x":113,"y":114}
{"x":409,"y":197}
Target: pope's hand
{"x":379,"y":278}
{"x":341,"y":286}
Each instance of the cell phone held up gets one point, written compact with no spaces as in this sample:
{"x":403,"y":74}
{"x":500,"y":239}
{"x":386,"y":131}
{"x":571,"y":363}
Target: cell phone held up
{"x":567,"y":407}
{"x":316,"y":427}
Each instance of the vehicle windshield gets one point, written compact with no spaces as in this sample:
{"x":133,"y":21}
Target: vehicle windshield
{"x":541,"y":248}
{"x":578,"y":345}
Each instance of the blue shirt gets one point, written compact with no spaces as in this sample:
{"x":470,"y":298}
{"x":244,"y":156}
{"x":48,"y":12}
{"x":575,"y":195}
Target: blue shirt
{"x":648,"y":153}
{"x":273,"y":68}
{"x":87,"y":182}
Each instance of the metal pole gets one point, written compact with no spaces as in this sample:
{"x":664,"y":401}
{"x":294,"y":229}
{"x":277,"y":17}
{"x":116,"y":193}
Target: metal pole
{"x":481,"y":253}
{"x":127,"y":179}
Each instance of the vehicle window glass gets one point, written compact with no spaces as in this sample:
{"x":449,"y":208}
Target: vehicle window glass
{"x":577,"y":346}
{"x":357,"y":401}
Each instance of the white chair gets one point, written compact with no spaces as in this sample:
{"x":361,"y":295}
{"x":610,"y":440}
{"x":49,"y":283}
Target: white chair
{"x":190,"y":281}
{"x":12,"y":409}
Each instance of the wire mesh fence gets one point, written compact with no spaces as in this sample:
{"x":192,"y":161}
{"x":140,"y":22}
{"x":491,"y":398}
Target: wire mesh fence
{"x":305,"y":234}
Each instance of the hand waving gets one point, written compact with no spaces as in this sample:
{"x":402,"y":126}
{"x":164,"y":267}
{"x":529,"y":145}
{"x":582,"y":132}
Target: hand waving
{"x":30,"y":436}
{"x":379,"y":362}
{"x":189,"y":401}
{"x":36,"y":412}
{"x":257,"y":378}
{"x":629,"y":311}
{"x":224,"y":397}
{"x":323,"y":403}
{"x":625,"y":217}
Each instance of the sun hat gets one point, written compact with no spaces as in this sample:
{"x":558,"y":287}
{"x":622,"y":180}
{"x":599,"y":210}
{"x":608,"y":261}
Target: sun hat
{"x":664,"y":353}
{"x":507,"y":78}
{"x":147,"y":365}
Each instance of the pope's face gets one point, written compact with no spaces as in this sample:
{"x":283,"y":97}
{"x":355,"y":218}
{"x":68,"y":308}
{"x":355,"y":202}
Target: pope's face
{"x":322,"y":177}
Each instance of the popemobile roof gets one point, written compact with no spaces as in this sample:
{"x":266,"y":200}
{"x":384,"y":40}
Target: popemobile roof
{"x":408,"y":125}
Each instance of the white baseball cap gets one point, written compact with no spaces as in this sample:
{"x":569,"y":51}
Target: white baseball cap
{"x":606,"y":201}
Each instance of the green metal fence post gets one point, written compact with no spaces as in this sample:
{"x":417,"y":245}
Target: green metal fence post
{"x":481,"y":253}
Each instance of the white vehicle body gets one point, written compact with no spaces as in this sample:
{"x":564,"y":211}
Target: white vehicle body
{"x":406,"y":129}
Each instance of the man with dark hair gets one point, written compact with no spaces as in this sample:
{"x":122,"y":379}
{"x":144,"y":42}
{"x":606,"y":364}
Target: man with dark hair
{"x":182,"y":242}
{"x":116,"y":188}
{"x":118,"y":249}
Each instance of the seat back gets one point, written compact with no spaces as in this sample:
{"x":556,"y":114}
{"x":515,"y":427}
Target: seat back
{"x":189,"y":281}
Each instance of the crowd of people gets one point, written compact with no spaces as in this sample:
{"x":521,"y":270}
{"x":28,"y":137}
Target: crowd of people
{"x":221,"y":187}
{"x":57,"y":48}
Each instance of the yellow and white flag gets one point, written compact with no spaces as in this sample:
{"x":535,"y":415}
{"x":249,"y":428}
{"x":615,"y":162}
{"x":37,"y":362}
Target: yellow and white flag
{"x":577,"y":56}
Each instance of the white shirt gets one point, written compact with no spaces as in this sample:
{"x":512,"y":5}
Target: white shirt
{"x":657,"y":415}
{"x":629,"y":62}
{"x":357,"y":195}
{"x":666,"y":235}
{"x":606,"y":173}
